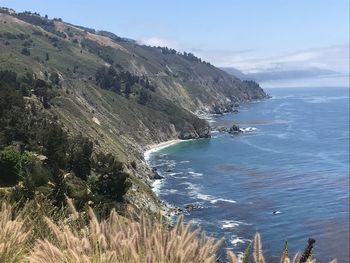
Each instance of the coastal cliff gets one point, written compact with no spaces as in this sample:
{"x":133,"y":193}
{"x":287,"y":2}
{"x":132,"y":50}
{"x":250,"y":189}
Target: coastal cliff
{"x":121,"y":95}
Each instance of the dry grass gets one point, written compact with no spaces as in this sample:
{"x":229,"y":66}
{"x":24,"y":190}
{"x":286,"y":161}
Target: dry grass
{"x":259,"y":257}
{"x":13,"y":236}
{"x":78,"y":239}
{"x":118,"y":239}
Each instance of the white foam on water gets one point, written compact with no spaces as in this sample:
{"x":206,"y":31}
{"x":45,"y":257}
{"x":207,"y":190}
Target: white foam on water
{"x":237,"y":240}
{"x":172,"y":174}
{"x":229,"y":224}
{"x":204,"y":197}
{"x":277,"y":212}
{"x":223,"y":200}
{"x":159,"y":164}
{"x":184,"y":162}
{"x":226,"y":224}
{"x":248,"y":129}
{"x":195,"y":192}
{"x":157,"y":185}
{"x":169,"y":191}
{"x":194,"y":174}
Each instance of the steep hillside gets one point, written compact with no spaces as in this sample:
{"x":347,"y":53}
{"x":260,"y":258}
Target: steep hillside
{"x":121,"y":95}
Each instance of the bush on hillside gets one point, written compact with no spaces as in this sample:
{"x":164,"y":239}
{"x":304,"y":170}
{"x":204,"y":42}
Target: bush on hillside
{"x":80,"y":151}
{"x":112,"y":182}
{"x":10,"y":166}
{"x":25,"y":51}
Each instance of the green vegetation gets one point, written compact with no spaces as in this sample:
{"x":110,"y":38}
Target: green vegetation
{"x":111,"y":79}
{"x":10,"y":166}
{"x":77,"y":109}
{"x":36,"y":152}
{"x":25,"y":51}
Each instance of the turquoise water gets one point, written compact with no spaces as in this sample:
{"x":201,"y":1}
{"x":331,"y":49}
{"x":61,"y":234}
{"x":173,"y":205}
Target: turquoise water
{"x":296,"y":164}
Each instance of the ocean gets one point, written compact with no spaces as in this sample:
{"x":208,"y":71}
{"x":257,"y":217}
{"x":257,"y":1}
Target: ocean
{"x":288,"y":179}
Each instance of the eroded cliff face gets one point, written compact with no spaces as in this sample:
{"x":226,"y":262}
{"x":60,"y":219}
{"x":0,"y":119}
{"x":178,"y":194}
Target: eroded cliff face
{"x":124,"y":124}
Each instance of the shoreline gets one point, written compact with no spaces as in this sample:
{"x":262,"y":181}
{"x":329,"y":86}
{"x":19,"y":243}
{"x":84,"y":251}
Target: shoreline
{"x":167,"y":210}
{"x":157,"y":147}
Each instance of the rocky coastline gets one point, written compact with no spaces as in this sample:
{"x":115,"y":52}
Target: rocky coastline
{"x":234,"y":129}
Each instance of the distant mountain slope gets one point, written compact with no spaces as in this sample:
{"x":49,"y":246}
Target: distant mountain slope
{"x":122,"y":95}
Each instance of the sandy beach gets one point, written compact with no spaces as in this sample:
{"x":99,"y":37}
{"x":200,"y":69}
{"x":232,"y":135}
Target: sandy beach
{"x":157,"y":147}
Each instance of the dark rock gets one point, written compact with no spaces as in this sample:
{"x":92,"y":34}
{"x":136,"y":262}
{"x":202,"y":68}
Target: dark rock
{"x":186,"y":135}
{"x":174,"y":211}
{"x":157,"y":176}
{"x":204,"y":132}
{"x":217,"y":110}
{"x":190,"y":207}
{"x":234,"y":129}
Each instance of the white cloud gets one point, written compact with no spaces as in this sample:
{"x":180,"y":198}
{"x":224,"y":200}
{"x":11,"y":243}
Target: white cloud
{"x":334,"y":58}
{"x":160,"y":42}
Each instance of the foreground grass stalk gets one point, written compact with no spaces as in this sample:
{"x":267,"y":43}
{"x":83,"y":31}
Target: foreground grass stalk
{"x":78,"y":239}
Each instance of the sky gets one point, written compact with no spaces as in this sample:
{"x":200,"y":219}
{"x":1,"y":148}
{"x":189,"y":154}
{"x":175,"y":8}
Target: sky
{"x":253,"y":36}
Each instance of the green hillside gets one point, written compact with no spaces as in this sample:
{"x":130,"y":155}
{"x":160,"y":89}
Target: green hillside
{"x":120,"y":95}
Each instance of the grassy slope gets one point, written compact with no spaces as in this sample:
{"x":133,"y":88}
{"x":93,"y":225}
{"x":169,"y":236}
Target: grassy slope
{"x":116,"y":124}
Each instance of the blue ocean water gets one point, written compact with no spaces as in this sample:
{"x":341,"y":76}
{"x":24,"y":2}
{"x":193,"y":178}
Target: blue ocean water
{"x":296,"y":164}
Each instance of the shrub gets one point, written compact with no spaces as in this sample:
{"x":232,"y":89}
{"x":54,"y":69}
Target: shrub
{"x":80,"y":156}
{"x":54,"y":77}
{"x":33,"y":174}
{"x":55,"y":142}
{"x":10,"y":166}
{"x":25,"y":51}
{"x":112,"y":182}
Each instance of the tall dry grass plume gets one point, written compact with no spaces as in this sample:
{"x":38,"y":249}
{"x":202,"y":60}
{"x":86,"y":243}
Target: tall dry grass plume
{"x":82,"y":238}
{"x":13,"y":236}
{"x":259,"y":257}
{"x":119,"y":239}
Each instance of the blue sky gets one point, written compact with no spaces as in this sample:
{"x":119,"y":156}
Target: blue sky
{"x":251,"y":35}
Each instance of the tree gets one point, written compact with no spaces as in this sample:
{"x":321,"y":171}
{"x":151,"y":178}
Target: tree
{"x":33,"y":174}
{"x":55,"y":142}
{"x":112,"y":182}
{"x":44,"y":91}
{"x":143,"y":97}
{"x":13,"y":119}
{"x":25,"y":51}
{"x":127,"y":89}
{"x":54,"y":77}
{"x":60,"y":189}
{"x":10,"y":160}
{"x":80,"y":156}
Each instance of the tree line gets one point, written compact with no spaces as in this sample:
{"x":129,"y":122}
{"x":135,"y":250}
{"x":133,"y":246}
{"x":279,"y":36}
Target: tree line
{"x":38,"y":155}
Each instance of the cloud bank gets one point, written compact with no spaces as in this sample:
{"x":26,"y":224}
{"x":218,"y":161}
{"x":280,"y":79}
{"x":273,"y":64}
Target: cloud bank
{"x":250,"y":61}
